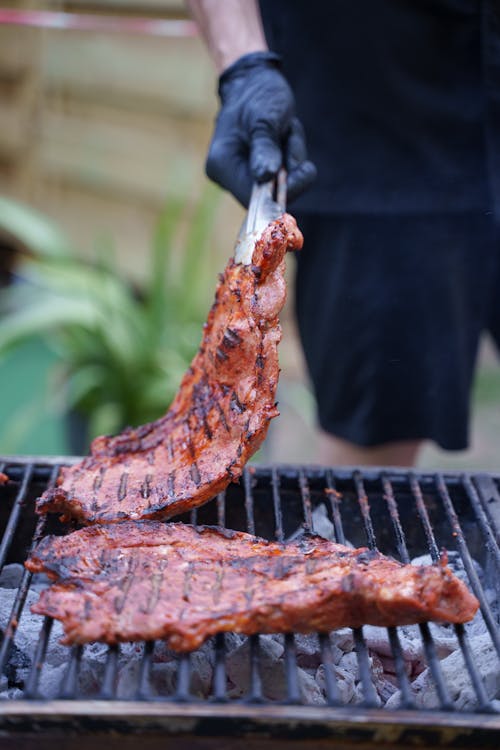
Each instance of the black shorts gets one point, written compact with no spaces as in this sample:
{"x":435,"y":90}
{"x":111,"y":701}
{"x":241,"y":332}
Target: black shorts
{"x":390,"y":313}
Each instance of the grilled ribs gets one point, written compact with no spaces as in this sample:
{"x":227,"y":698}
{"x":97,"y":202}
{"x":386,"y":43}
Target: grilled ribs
{"x":218,"y":419}
{"x":145,"y":580}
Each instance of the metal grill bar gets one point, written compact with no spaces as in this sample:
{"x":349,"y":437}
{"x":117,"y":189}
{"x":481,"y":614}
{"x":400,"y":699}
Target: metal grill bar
{"x":184,"y":663}
{"x":290,"y":656}
{"x":144,"y":691}
{"x":483,"y":522}
{"x":15,"y":614}
{"x":303,"y":486}
{"x":365,"y":509}
{"x":429,"y":648}
{"x":457,"y":533}
{"x":15,"y":514}
{"x":424,"y":517}
{"x":395,"y":519}
{"x":394,"y":514}
{"x":108,"y":689}
{"x":183,"y":678}
{"x":255,"y":692}
{"x":220,"y":693}
{"x":435,"y":668}
{"x":39,"y":658}
{"x":247,"y":483}
{"x":428,"y":643}
{"x":467,"y":561}
{"x":364,"y":669}
{"x":489,"y":497}
{"x":371,"y":698}
{"x":9,"y":632}
{"x":22,"y":592}
{"x":471,"y":668}
{"x":305,"y":495}
{"x":292,"y":677}
{"x":221,"y":509}
{"x":331,"y":687}
{"x":278,"y":516}
{"x":335,"y":499}
{"x":69,"y":687}
{"x":403,"y":681}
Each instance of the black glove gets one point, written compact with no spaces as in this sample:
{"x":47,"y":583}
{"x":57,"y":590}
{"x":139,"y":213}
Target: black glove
{"x":256,"y":131}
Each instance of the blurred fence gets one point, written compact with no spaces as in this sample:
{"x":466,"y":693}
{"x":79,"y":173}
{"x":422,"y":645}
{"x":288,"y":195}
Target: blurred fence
{"x":98,"y":129}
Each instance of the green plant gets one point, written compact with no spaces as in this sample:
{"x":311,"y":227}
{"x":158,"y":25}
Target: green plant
{"x":122,"y":348}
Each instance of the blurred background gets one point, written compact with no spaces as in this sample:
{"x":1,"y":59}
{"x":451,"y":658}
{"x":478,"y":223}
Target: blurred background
{"x":111,"y":237}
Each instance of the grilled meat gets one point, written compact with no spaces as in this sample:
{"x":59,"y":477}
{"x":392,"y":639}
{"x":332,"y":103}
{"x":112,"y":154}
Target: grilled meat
{"x":146,"y":580}
{"x":218,"y":419}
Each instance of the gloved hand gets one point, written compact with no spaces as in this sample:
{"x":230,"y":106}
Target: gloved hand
{"x":256,"y":131}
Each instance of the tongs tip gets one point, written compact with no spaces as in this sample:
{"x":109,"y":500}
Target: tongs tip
{"x":267,"y":203}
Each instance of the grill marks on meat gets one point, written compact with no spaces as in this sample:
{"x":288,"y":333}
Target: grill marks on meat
{"x":218,"y":419}
{"x":146,"y":580}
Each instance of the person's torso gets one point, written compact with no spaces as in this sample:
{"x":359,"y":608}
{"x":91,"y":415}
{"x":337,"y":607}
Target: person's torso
{"x":393,"y":99}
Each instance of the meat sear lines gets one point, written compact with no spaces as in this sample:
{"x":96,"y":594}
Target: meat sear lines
{"x":141,"y":579}
{"x":146,"y":580}
{"x":218,"y":419}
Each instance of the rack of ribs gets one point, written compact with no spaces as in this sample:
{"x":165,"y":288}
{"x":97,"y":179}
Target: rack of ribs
{"x":218,"y":419}
{"x":146,"y":580}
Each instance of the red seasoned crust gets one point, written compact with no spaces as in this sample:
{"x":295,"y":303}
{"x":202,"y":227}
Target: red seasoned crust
{"x":146,"y":580}
{"x":218,"y":419}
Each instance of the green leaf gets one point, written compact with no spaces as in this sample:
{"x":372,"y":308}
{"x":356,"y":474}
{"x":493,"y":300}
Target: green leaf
{"x":32,"y":230}
{"x":123,"y":350}
{"x":84,"y":382}
{"x":44,"y":317}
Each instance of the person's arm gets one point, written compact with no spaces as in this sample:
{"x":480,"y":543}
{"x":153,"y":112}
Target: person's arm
{"x":230,"y":28}
{"x":256,"y":132}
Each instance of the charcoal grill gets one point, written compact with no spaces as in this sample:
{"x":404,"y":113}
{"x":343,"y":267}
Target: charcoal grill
{"x":404,"y":514}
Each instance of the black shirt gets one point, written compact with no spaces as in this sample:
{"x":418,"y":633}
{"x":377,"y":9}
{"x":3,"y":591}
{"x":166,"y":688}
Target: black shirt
{"x":400,"y":100}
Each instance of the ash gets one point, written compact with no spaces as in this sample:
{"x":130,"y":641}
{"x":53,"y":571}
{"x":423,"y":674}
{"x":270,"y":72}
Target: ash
{"x":310,"y":671}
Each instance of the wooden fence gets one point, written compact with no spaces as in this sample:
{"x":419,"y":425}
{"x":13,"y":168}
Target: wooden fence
{"x":99,"y":130}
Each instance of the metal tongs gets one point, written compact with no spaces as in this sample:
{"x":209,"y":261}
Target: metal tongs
{"x":267,"y":203}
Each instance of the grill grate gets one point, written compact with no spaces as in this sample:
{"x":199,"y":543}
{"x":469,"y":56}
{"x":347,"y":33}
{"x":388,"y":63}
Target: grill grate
{"x":403,"y":514}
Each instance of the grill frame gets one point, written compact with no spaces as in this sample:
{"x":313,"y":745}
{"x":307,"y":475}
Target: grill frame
{"x":180,"y":715}
{"x":298,"y":725}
